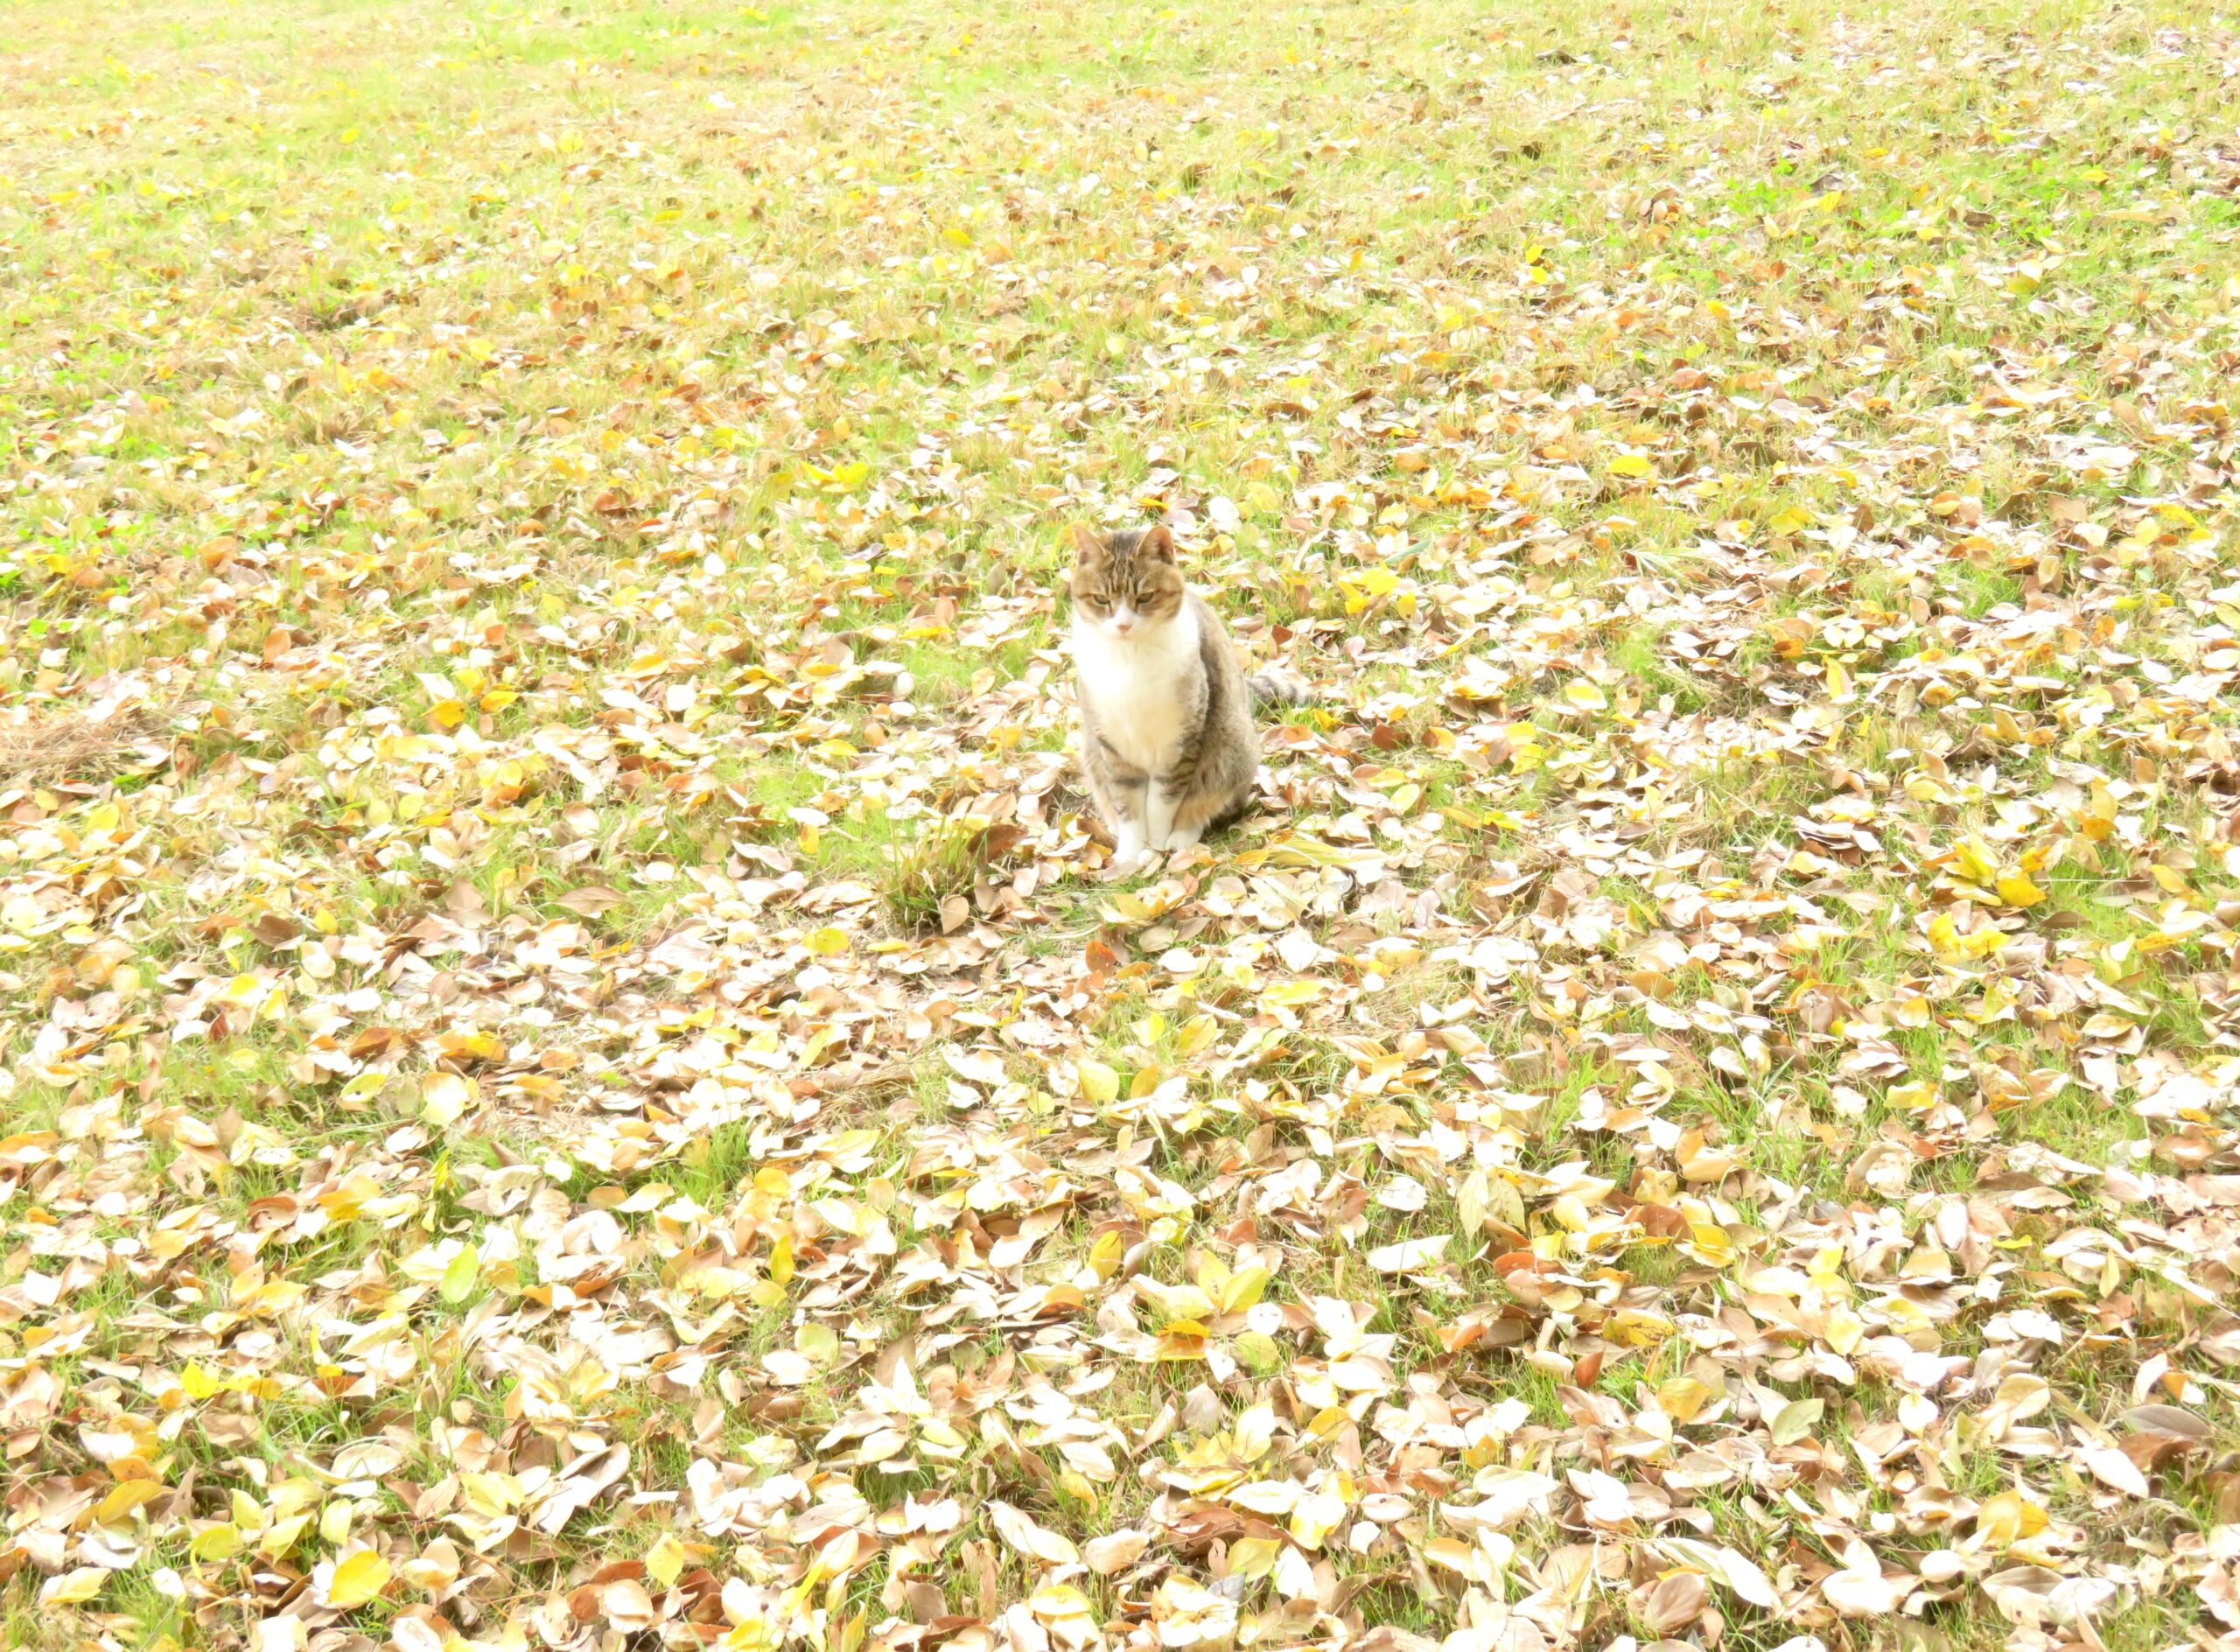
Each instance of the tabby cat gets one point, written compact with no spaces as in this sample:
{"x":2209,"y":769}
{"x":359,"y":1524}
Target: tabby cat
{"x":1167,"y":736}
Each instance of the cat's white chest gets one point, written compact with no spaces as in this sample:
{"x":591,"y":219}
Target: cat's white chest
{"x":1142,"y":687}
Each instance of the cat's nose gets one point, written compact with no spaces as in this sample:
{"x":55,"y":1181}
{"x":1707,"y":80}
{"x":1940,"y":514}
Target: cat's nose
{"x":1124,"y":623}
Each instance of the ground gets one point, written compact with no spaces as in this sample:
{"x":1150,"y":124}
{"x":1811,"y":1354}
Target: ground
{"x":576,"y":1072}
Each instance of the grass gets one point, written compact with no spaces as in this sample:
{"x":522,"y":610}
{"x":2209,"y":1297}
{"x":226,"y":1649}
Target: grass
{"x":531,"y":546}
{"x":924,"y":877}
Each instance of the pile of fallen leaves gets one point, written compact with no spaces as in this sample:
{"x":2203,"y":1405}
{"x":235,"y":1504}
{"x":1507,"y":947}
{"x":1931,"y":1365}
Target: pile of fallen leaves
{"x":576,"y":1072}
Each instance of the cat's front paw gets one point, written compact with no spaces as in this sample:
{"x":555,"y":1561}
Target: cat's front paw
{"x":1131,"y":851}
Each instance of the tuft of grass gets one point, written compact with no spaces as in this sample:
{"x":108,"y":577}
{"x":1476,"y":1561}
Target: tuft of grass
{"x":921,"y":878}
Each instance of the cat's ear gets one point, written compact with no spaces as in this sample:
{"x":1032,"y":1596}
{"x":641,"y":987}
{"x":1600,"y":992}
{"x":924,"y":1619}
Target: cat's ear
{"x":1085,"y":541}
{"x":1157,"y":544}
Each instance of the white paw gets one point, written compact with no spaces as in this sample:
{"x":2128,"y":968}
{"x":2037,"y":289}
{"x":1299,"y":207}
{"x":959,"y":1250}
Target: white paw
{"x":1131,"y":849}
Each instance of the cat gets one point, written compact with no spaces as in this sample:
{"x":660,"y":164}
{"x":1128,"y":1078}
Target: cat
{"x":1167,"y":737}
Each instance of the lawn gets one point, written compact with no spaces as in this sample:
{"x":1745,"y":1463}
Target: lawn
{"x":576,"y":1073}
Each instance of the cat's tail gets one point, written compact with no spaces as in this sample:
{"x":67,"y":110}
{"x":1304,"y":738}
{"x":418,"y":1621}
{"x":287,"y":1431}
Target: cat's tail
{"x":1277,"y":687}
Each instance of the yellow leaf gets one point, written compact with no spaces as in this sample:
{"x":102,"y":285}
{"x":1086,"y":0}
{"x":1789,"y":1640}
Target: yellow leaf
{"x":357,"y":1579}
{"x":1631,"y":1328}
{"x":460,"y":1275}
{"x":123,"y":1499}
{"x":2009,"y":1518}
{"x":1198,"y":1034}
{"x":1975,"y":861}
{"x":1945,"y":937}
{"x":471,"y":1045}
{"x":1710,"y":1245}
{"x":1242,"y":1290}
{"x":1100,"y":1084}
{"x":344,"y":1203}
{"x":1055,"y":1601}
{"x":1314,"y":1517}
{"x":445,"y":1096}
{"x":2018,"y":891}
{"x":1842,"y":1330}
{"x":1630,"y":464}
{"x":1682,"y":1397}
{"x":781,"y":1260}
{"x":1917,"y":1097}
{"x":1107,"y":1253}
{"x":73,"y":1587}
{"x":1584,"y":695}
{"x":1451,"y":1552}
{"x":216,"y":1542}
{"x":827,"y":942}
{"x":1253,"y":1556}
{"x":281,"y":1536}
{"x":665,"y":1560}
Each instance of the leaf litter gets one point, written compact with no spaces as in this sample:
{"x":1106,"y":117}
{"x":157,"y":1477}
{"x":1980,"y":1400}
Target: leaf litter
{"x":575,"y":1074}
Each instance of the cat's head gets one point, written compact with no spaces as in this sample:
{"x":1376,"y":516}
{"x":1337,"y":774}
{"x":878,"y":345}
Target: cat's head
{"x":1125,"y":581}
